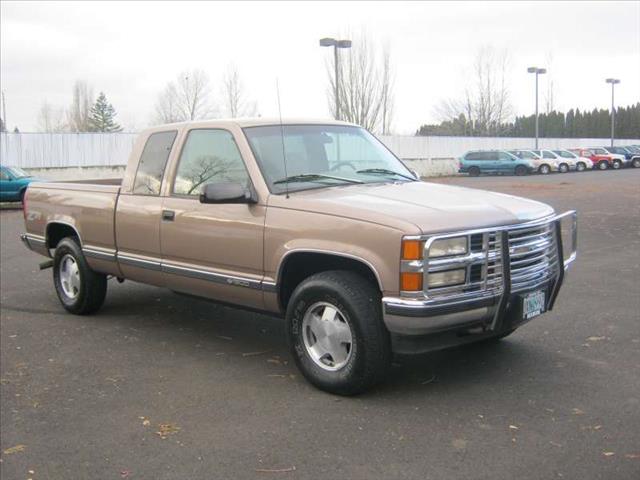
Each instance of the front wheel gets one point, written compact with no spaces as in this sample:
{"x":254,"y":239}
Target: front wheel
{"x":563,"y":168}
{"x":581,"y":167}
{"x":336,"y":334}
{"x":635,"y":163}
{"x":80,"y":289}
{"x":617,"y":164}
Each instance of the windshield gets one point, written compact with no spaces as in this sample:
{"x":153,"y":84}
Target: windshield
{"x":322,"y":156}
{"x":17,"y":172}
{"x":525,"y":154}
{"x":618,"y":150}
{"x":564,"y":154}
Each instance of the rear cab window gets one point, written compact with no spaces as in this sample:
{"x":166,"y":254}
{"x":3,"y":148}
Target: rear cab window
{"x":153,"y":162}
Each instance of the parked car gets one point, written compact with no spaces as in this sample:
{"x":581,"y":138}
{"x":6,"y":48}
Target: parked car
{"x":360,"y":258}
{"x":13,"y":183}
{"x":476,"y":162}
{"x":626,"y":154}
{"x":601,"y":161}
{"x":635,"y":159}
{"x":541,"y":165}
{"x":615,"y":160}
{"x":563,"y":164}
{"x":577,"y":163}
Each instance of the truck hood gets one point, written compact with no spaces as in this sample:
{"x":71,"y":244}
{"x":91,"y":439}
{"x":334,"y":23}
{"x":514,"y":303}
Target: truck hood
{"x":422,"y":206}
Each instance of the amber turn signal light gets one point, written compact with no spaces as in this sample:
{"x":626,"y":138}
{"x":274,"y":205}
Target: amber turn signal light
{"x":411,"y":281}
{"x":411,"y":250}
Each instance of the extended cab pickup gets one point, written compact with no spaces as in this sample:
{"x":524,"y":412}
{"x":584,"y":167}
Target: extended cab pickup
{"x":317,"y":222}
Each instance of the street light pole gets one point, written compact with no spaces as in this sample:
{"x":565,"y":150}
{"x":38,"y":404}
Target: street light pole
{"x":336,"y":44}
{"x":613,"y":82}
{"x":537,"y":71}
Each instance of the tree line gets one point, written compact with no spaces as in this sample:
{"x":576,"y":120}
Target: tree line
{"x":575,"y":123}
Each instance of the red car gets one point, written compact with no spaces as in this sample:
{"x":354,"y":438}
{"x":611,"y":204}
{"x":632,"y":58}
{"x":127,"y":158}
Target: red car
{"x":601,"y":161}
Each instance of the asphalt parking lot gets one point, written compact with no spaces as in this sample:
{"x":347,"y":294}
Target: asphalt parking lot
{"x":159,"y":386}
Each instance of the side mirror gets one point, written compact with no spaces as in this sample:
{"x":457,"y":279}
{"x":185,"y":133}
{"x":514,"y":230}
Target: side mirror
{"x":227,"y":193}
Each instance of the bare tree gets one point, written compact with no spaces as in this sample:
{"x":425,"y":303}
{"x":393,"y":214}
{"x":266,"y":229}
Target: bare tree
{"x":51,"y":118}
{"x":484,"y":105}
{"x":78,"y":113}
{"x":549,"y":94}
{"x":365,"y":87}
{"x":186,"y":98}
{"x":234,"y":97}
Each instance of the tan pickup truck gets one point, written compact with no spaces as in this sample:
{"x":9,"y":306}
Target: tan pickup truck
{"x":317,"y":222}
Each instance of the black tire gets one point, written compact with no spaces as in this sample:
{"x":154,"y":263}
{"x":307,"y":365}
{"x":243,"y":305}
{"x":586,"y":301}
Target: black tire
{"x":359,"y":306}
{"x":635,"y":163}
{"x":603,"y":165}
{"x":617,"y":164}
{"x":563,"y":168}
{"x":92,"y":286}
{"x":474,"y":172}
{"x":544,"y":169}
{"x":581,"y":167}
{"x":520,"y":170}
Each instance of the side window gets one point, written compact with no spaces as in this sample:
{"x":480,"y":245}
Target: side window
{"x":504,"y":157}
{"x":3,"y":175}
{"x":208,"y":156}
{"x":546,"y":154}
{"x":152,"y":162}
{"x":472,"y":156}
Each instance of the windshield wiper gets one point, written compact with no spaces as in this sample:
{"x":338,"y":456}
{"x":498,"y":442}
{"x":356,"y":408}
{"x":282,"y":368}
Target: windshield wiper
{"x":314,"y":176}
{"x":384,"y":171}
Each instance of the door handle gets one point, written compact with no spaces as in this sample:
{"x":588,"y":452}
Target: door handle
{"x":168,"y":215}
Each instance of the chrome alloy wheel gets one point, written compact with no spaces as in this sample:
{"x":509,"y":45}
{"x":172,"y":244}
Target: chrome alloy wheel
{"x":327,"y":336}
{"x":69,"y":276}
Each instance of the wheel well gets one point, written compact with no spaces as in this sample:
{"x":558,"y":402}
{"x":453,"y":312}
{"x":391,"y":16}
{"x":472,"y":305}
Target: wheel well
{"x":58,"y":231}
{"x":300,"y":265}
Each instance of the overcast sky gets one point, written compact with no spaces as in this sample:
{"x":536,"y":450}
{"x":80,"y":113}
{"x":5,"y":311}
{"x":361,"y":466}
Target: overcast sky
{"x":131,"y":50}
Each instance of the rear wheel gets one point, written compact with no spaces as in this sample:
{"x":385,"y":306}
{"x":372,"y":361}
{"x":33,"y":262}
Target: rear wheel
{"x":563,"y":168}
{"x":80,"y":289}
{"x":581,"y":167}
{"x":635,"y":163}
{"x":520,"y":170}
{"x":544,"y":169}
{"x":335,"y":332}
{"x":603,"y":165}
{"x":474,"y":172}
{"x":617,"y":164}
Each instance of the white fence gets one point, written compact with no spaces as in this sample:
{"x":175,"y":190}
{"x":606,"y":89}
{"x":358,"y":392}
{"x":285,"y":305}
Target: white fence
{"x":407,"y":147}
{"x":51,"y":150}
{"x":63,"y":150}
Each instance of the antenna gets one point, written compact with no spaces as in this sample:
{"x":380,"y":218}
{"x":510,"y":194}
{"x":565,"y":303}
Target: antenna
{"x":284,"y":155}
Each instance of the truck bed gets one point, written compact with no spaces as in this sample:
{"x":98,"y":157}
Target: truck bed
{"x":86,"y":208}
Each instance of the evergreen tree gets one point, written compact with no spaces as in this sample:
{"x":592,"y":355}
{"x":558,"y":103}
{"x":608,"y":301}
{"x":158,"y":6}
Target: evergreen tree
{"x":102,"y":116}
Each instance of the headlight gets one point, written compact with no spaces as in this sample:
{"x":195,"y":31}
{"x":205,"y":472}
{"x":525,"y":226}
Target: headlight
{"x":448,"y":246}
{"x":445,"y":279}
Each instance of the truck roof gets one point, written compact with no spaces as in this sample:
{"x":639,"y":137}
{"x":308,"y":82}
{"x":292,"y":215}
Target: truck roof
{"x":249,"y":122}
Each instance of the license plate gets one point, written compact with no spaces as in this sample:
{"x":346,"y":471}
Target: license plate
{"x":533,"y":304}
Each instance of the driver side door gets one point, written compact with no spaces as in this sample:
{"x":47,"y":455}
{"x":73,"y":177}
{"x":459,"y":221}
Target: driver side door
{"x":212,"y":250}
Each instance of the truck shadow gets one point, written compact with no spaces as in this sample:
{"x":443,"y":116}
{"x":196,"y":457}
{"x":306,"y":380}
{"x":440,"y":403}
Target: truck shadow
{"x":160,"y":316}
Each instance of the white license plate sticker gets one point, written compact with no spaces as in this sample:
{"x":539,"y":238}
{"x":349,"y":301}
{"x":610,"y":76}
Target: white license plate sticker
{"x":533,"y":304}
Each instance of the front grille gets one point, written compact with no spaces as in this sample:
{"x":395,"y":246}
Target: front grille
{"x":533,"y":261}
{"x":533,"y":255}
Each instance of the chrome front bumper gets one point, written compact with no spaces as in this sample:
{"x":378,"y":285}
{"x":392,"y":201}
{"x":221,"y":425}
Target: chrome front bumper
{"x":421,"y":316}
